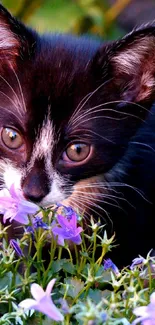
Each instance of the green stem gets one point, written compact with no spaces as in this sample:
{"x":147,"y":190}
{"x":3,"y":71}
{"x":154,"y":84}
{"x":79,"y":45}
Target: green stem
{"x":94,"y":247}
{"x":150,"y":276}
{"x":60,"y":253}
{"x":70,"y":255}
{"x":52,"y":253}
{"x":76,"y":254}
{"x":100,"y":259}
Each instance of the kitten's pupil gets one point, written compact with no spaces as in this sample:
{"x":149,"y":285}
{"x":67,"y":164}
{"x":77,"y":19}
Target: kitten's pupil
{"x":11,"y":138}
{"x":78,"y":152}
{"x":12,"y":134}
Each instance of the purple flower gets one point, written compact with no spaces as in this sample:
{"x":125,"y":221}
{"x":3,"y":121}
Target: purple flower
{"x":13,"y":206}
{"x":138,"y":261}
{"x":64,"y":305}
{"x":108,"y":264}
{"x":146,"y":314}
{"x":38,"y":223}
{"x":68,"y":230}
{"x":68,"y":211}
{"x":42,"y":301}
{"x":16,"y":247}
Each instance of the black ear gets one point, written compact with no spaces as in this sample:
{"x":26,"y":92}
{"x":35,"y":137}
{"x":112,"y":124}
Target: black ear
{"x":130,"y":63}
{"x":15,"y":38}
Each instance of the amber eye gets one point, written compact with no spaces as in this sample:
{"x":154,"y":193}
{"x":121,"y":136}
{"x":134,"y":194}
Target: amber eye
{"x":78,"y":152}
{"x":11,"y":138}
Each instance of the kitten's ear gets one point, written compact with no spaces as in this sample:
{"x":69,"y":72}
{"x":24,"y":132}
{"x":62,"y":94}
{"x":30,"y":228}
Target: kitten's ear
{"x":130,"y":63}
{"x":15,"y":38}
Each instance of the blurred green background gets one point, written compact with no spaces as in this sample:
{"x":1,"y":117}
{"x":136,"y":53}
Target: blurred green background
{"x":104,"y":18}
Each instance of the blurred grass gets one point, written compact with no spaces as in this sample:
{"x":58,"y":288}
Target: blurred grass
{"x":75,"y":16}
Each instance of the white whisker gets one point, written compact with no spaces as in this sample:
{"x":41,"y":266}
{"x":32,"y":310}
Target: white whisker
{"x":94,"y":108}
{"x":106,"y":117}
{"x":10,"y":88}
{"x":143,"y":144}
{"x":87,"y":97}
{"x":20,"y":88}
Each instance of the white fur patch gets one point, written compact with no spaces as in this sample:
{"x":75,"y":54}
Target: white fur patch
{"x":10,"y":175}
{"x":43,"y":145}
{"x":43,"y":149}
{"x":56,"y":194}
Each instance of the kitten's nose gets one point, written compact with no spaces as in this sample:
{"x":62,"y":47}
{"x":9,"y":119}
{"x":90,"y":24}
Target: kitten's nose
{"x":35,"y":186}
{"x":35,"y":196}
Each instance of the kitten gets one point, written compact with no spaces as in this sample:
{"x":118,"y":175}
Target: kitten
{"x":77,"y":126}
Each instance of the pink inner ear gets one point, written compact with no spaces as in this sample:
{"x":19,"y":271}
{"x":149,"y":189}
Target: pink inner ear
{"x":136,"y":63}
{"x":8,"y":41}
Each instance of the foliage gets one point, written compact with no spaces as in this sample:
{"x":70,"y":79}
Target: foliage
{"x":87,"y":289}
{"x":76,"y":16}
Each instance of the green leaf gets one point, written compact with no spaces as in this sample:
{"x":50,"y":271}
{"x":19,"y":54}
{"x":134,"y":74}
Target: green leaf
{"x":56,"y":266}
{"x":6,"y":280}
{"x":69,"y":268}
{"x":75,"y":286}
{"x":96,"y":295}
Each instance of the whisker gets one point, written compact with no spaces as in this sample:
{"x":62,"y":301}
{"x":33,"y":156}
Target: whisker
{"x":14,"y":104}
{"x":143,"y":144}
{"x":107,"y":117}
{"x":88,"y":204}
{"x":131,"y":187}
{"x":20,"y":88}
{"x":100,"y":136}
{"x":98,"y":200}
{"x":84,"y":212}
{"x":108,"y":196}
{"x":89,"y":110}
{"x":7,"y":110}
{"x":10,"y":88}
{"x":87,"y":97}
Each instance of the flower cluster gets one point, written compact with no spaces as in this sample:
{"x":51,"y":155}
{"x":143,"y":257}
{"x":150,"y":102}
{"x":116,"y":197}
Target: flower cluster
{"x":13,"y":206}
{"x":82,"y":292}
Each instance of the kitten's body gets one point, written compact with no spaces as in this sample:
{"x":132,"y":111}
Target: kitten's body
{"x":67,"y":98}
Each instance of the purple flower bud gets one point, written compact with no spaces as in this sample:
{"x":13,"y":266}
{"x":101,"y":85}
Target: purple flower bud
{"x":38,"y":223}
{"x":108,"y":264}
{"x":68,"y":211}
{"x":16,"y":247}
{"x":138,"y":261}
{"x":103,"y":316}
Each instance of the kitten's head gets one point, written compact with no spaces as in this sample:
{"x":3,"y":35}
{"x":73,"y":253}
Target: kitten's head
{"x":68,"y":108}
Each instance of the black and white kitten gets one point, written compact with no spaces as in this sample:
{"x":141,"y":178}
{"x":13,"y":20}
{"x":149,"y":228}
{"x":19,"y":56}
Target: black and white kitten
{"x":77,"y":125}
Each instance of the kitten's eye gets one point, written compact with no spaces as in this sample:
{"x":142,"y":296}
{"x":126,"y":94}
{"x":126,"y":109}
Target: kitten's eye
{"x":11,"y":138}
{"x":78,"y":152}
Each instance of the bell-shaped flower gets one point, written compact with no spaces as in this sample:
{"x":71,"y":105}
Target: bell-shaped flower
{"x":146,"y":314}
{"x":42,"y":301}
{"x":108,"y":264}
{"x":13,"y":206}
{"x":67,"y":230}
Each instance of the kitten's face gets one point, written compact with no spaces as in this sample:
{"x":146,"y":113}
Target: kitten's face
{"x":67,"y":111}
